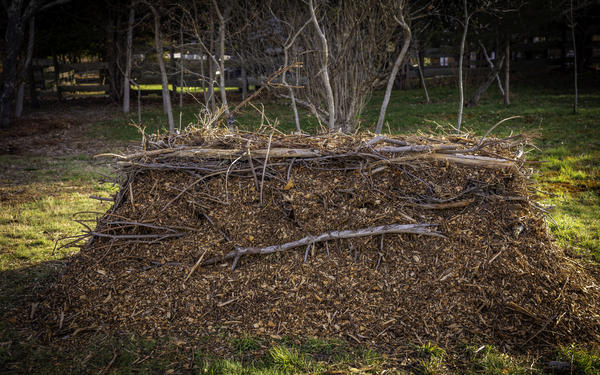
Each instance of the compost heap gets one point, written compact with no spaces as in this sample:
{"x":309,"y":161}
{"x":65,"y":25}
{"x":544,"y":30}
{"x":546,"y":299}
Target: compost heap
{"x":381,"y":241}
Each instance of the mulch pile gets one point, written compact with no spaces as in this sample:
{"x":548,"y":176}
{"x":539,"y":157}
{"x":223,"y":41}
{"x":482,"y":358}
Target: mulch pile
{"x":381,"y":241}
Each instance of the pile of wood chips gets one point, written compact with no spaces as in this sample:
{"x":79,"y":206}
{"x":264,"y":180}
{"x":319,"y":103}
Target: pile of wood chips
{"x":382,"y":241}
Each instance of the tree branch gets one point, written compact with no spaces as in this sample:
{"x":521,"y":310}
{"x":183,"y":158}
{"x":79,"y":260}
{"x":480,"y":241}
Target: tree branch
{"x":424,"y":229}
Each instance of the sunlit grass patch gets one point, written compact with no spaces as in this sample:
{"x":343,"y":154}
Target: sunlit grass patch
{"x":487,"y":360}
{"x":30,"y":228}
{"x":576,"y":222}
{"x":431,"y":359}
{"x":584,"y":361}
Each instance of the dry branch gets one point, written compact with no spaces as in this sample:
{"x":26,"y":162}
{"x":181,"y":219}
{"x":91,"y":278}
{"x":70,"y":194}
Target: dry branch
{"x":424,"y":229}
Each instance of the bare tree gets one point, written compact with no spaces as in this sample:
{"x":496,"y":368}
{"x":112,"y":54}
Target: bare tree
{"x":128,"y":60}
{"x":25,"y":68}
{"x":199,"y":26}
{"x":222,"y":54}
{"x":181,"y":61}
{"x":324,"y":67}
{"x":461,"y":94}
{"x":18,"y":13}
{"x":571,"y":20}
{"x":507,"y":72}
{"x":161,"y":64}
{"x":340,"y":78}
{"x":491,"y":64}
{"x":485,"y":84}
{"x":211,"y":66}
{"x":293,"y":27}
{"x":419,"y":57}
{"x":397,"y":63}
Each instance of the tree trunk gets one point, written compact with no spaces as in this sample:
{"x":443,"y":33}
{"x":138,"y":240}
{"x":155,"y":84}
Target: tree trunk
{"x":173,"y":76}
{"x":181,"y":60}
{"x":112,"y":55}
{"x":461,"y":93}
{"x":507,"y":73}
{"x":57,"y":77}
{"x":392,"y":78}
{"x":12,"y":43}
{"x":32,"y":87}
{"x":128,"y":62}
{"x":572,"y":26}
{"x":290,"y":89}
{"x":222,"y":58}
{"x":244,"y":78}
{"x":203,"y":81}
{"x":421,"y":76}
{"x":485,"y":85}
{"x":16,"y":16}
{"x":325,"y":68}
{"x":163,"y":71}
{"x":211,"y":69}
{"x":25,"y":68}
{"x":491,"y":64}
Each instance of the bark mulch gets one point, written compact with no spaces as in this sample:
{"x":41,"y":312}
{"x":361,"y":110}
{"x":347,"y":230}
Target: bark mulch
{"x":379,"y":241}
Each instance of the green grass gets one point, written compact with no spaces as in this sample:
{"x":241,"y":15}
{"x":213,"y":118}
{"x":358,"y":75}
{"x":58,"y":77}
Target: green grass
{"x":187,"y":89}
{"x":487,"y":360}
{"x":584,"y":361}
{"x":51,"y":190}
{"x":135,"y":354}
{"x":31,"y":228}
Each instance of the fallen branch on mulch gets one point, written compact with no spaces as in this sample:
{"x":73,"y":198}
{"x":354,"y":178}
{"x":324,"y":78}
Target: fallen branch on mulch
{"x":424,"y":229}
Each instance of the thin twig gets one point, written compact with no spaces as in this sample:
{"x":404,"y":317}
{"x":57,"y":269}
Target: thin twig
{"x":252,"y":166}
{"x":194,"y":267}
{"x":262,"y":178}
{"x":108,"y":366}
{"x":189,"y":187}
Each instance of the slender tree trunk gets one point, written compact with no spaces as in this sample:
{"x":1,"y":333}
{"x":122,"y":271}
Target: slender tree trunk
{"x":507,"y":73}
{"x":32,"y":87}
{"x":181,"y":60}
{"x":111,"y":55}
{"x":461,"y":93}
{"x":57,"y":77}
{"x":222,"y":58}
{"x":173,"y":76}
{"x":290,"y":89}
{"x":203,"y":81}
{"x":13,"y":38}
{"x":17,"y":13}
{"x":211,"y":68}
{"x":392,"y":78}
{"x":422,"y":76}
{"x":244,"y":78}
{"x":25,"y":69}
{"x":163,"y":71}
{"x":128,"y":62}
{"x":485,"y":85}
{"x":491,"y":64}
{"x":139,"y":102}
{"x":572,"y":26}
{"x":325,"y":68}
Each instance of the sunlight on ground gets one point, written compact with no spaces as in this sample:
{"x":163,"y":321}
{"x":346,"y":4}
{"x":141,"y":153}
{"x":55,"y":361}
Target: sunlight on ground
{"x":32,"y":226}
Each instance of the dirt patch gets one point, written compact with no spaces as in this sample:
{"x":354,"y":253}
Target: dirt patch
{"x":200,"y":242}
{"x":64,"y":131}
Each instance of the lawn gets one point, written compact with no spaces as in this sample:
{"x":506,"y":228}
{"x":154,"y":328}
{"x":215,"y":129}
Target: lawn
{"x":40,"y":209}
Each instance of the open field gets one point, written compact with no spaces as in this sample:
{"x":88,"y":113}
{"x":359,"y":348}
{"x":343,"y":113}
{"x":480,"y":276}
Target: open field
{"x":41,"y":190}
